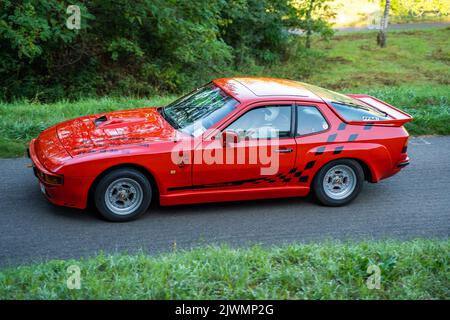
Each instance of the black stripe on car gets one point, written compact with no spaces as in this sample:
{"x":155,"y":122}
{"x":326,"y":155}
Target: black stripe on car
{"x":342,"y":126}
{"x":320,"y":151}
{"x":222,"y":184}
{"x":283,"y":177}
{"x":298,"y":174}
{"x":368,"y":126}
{"x":353,"y":137}
{"x":331,"y":137}
{"x":303,"y":179}
{"x":310,"y":164}
{"x":338,"y":150}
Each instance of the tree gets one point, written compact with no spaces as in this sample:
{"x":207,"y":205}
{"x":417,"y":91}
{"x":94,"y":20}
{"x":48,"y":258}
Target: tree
{"x":309,"y":24}
{"x":313,"y":17}
{"x":142,"y":47}
{"x":381,"y":37}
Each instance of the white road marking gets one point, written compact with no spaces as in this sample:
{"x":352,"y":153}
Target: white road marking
{"x":418,"y":141}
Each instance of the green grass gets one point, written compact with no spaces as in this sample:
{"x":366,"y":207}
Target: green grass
{"x":409,"y":270}
{"x":412,"y":73}
{"x":412,"y":57}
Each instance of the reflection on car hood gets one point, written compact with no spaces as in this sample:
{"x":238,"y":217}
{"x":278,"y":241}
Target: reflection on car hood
{"x":109,"y":130}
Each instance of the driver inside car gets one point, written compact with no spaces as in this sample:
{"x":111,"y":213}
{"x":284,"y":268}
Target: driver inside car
{"x":259,"y":123}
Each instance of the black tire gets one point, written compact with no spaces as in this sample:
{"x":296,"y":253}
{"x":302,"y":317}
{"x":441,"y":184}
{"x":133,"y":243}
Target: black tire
{"x":138,"y":182}
{"x":319,"y":187}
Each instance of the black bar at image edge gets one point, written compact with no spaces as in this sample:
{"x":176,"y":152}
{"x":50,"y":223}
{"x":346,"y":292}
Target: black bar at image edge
{"x":222,"y":309}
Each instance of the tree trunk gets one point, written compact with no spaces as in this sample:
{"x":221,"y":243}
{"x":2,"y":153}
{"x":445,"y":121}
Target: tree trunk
{"x":381,"y":37}
{"x":309,"y":24}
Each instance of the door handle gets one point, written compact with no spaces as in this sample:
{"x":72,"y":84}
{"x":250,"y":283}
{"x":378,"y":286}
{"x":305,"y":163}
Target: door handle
{"x":288,"y":150}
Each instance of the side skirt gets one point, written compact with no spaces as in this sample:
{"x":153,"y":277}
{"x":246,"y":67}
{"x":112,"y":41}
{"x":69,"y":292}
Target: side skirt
{"x":204,"y":196}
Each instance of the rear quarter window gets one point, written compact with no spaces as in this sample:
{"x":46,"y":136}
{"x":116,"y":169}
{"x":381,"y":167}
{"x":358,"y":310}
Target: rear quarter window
{"x":349,"y":108}
{"x":358,"y":112}
{"x":310,"y":120}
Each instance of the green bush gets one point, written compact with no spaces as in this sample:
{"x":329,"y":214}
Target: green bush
{"x":419,"y":8}
{"x":134,"y":47}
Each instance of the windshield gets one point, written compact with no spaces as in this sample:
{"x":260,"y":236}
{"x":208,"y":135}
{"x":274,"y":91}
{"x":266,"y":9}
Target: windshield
{"x":351,"y":109}
{"x":200,"y":110}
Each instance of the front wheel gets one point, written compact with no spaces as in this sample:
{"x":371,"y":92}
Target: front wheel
{"x":123,"y":195}
{"x":338,"y":182}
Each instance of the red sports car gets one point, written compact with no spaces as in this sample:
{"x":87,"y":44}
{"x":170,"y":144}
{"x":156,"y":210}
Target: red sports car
{"x":232,"y":139}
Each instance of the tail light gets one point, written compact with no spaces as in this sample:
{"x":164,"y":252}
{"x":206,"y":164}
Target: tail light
{"x":405,"y":147}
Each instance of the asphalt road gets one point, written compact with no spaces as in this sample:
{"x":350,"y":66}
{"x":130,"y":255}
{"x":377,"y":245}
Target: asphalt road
{"x":414,"y":203}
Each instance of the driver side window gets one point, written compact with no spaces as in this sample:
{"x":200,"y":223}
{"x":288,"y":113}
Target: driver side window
{"x":264,"y":123}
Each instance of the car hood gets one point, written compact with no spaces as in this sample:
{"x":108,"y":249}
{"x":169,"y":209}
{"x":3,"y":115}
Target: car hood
{"x":113,"y":129}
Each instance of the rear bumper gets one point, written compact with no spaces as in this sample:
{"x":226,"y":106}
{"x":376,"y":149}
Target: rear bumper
{"x":403,"y":163}
{"x":397,"y":167}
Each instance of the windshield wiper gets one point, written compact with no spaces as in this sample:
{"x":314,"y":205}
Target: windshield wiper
{"x":168,"y":118}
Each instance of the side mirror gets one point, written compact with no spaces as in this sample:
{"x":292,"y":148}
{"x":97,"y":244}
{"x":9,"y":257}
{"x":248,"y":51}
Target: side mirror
{"x":229,"y":137}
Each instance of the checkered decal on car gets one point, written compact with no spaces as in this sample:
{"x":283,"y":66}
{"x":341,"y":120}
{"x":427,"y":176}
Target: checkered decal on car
{"x":293,"y":174}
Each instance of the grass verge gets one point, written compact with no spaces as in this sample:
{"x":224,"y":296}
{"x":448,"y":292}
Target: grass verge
{"x":409,"y":270}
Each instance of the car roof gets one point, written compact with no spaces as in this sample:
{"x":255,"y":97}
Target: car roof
{"x":247,"y":89}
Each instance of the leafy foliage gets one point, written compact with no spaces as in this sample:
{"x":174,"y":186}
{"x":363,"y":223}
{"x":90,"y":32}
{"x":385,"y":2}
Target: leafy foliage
{"x":256,"y":28}
{"x":313,"y":16}
{"x":419,"y":8}
{"x":134,"y":47}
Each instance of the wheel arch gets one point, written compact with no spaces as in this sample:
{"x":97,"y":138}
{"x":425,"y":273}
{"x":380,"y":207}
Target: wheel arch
{"x":368,"y":171}
{"x":368,"y":175}
{"x":134,"y":166}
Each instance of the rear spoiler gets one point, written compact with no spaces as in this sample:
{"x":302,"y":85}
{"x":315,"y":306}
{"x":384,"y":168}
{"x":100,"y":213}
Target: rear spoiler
{"x":399,"y":117}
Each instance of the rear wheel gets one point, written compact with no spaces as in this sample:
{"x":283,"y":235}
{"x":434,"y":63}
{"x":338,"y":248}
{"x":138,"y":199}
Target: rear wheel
{"x":338,"y":182}
{"x":123,"y":195}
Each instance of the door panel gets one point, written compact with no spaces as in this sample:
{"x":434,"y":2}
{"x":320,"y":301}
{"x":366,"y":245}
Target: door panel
{"x":246,"y":164}
{"x":265,"y":152}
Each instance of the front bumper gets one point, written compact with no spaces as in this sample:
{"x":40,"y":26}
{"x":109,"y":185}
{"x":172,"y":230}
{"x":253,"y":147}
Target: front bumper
{"x":38,"y":168}
{"x":73,"y":193}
